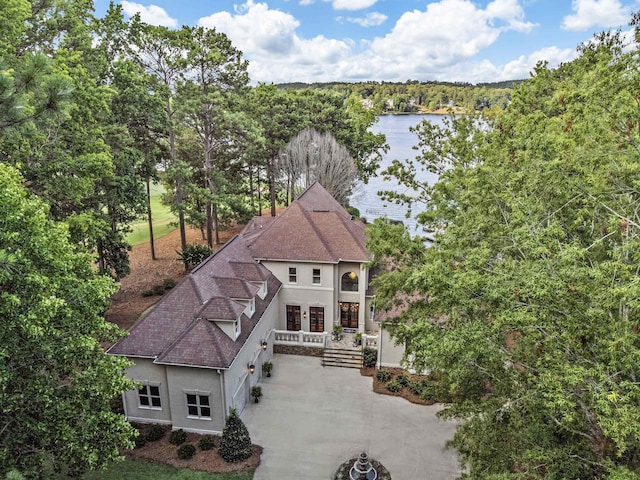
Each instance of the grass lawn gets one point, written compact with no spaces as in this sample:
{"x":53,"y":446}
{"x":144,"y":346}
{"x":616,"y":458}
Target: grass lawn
{"x":161,"y":216}
{"x":145,"y":470}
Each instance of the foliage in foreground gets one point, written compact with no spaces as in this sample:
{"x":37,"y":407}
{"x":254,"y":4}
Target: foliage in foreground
{"x":530,"y":291}
{"x":56,"y":382}
{"x":235,"y":445}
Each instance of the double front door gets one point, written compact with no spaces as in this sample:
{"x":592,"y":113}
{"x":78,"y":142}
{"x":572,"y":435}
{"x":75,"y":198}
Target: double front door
{"x":316,"y":318}
{"x":349,"y":314}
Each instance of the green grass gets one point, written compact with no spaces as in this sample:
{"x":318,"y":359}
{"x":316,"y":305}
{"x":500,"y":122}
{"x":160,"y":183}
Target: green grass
{"x":146,"y":470}
{"x":161,"y":216}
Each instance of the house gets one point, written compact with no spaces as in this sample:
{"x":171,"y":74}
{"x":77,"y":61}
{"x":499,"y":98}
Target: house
{"x":284,"y":280}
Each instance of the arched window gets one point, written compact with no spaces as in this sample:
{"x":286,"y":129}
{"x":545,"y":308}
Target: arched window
{"x":349,"y":282}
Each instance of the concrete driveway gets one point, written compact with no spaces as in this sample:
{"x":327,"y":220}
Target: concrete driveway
{"x":311,"y":418}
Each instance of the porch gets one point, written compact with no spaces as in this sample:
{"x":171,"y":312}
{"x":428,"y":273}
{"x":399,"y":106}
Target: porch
{"x":323,"y":340}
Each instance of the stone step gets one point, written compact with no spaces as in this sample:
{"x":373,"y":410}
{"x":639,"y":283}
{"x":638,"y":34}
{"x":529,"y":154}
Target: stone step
{"x":334,"y":357}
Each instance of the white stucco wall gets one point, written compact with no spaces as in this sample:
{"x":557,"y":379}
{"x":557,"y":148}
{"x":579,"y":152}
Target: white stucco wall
{"x":143,"y":370}
{"x":389,"y":354}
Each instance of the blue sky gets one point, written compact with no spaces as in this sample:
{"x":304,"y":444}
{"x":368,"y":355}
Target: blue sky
{"x":394,"y":40}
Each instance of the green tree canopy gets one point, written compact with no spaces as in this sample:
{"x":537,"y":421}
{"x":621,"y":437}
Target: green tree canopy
{"x":527,"y":303}
{"x":56,"y":382}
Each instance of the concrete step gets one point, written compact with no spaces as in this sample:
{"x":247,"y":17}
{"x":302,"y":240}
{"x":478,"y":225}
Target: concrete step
{"x":333,"y":357}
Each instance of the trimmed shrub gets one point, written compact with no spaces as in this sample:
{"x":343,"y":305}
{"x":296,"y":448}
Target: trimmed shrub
{"x":383,"y":375}
{"x":415,"y":387}
{"x":393,"y":386}
{"x":402,"y":379}
{"x":147,"y":293}
{"x":186,"y":452}
{"x":369,"y":357}
{"x":235,"y":445}
{"x":168,"y":283}
{"x":194,"y":254}
{"x":206,"y":443}
{"x":155,"y":433}
{"x":140,"y":441}
{"x":158,"y":290}
{"x":178,"y":437}
{"x":429,"y":392}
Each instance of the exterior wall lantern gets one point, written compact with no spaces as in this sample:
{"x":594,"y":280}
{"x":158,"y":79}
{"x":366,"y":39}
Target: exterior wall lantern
{"x":264,"y":344}
{"x":251,"y":367}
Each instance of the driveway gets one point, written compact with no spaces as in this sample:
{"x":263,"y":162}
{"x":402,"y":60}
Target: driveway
{"x":311,"y":418}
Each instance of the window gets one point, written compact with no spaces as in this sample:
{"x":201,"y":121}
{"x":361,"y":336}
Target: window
{"x":198,"y":405}
{"x":149,"y":397}
{"x":293,"y":275}
{"x":316,"y":276}
{"x":349,"y":282}
{"x":293,"y":318}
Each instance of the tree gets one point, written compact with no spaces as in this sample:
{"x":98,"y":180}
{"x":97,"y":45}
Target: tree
{"x":56,"y":382}
{"x":235,"y":445}
{"x":526,"y":304}
{"x":313,"y":156}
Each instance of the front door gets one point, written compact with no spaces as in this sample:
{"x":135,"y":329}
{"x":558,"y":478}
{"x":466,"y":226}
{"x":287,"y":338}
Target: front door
{"x":293,"y":318}
{"x":316,"y":319}
{"x":349,"y":314}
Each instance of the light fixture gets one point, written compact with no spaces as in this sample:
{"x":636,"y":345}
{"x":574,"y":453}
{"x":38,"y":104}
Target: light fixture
{"x":352,"y":275}
{"x":304,"y":314}
{"x":264,"y":344}
{"x":251,"y":367}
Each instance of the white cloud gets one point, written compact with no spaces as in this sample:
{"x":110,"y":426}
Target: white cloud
{"x":372,"y":19}
{"x":352,"y":4}
{"x":591,"y":13}
{"x":152,"y":14}
{"x":524,"y":65}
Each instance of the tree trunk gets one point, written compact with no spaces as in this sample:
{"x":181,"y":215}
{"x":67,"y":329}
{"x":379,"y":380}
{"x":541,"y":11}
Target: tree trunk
{"x":151,"y":243}
{"x":215,"y":223}
{"x":209,"y":224}
{"x":252,"y":193}
{"x":272,"y":189}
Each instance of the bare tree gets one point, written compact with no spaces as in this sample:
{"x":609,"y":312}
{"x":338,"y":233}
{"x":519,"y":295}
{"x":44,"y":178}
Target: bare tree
{"x":317,"y":156}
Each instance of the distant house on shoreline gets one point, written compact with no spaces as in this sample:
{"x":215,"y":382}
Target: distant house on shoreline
{"x":283,"y":282}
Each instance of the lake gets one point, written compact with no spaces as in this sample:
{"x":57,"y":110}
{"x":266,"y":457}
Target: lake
{"x":401,"y":141}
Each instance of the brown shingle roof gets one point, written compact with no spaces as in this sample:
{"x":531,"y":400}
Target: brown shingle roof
{"x":175,"y":330}
{"x":315,"y":228}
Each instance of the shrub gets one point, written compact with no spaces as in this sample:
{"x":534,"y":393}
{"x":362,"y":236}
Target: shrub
{"x":194,"y":254}
{"x":383,"y":375}
{"x":147,"y":293}
{"x":178,"y":437}
{"x":206,"y":443}
{"x":155,"y":433}
{"x":393,"y":386}
{"x":235,"y":445}
{"x":429,"y":392}
{"x":168,"y":283}
{"x":256,"y":392}
{"x":158,"y":289}
{"x":415,"y":387}
{"x":402,"y":379}
{"x":369,"y":357}
{"x":185,"y":452}
{"x":140,"y":441}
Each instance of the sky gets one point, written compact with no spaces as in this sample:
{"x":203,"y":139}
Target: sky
{"x":394,"y":40}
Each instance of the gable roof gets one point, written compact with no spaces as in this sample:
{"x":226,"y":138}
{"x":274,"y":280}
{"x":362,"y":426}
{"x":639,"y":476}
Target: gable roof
{"x":177,"y":330}
{"x":314,"y":228}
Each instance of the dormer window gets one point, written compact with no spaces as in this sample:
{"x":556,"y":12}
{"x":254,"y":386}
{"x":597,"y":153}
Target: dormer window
{"x":349,"y":282}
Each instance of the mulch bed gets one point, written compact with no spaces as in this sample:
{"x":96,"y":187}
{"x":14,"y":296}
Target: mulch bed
{"x":161,"y":451}
{"x":406,"y":393}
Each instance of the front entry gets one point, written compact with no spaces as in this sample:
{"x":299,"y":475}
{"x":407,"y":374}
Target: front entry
{"x":293,"y":318}
{"x":349,"y":314}
{"x":316,"y":319}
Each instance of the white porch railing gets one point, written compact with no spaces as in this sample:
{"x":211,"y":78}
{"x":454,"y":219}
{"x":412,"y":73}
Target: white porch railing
{"x":370,"y":341}
{"x":301,"y":338}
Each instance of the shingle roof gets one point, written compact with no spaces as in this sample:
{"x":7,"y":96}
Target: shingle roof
{"x":177,"y":331}
{"x":315,"y":228}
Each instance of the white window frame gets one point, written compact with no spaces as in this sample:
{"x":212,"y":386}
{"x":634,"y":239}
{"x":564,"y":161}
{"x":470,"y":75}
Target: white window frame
{"x":198,"y":405}
{"x":314,"y":276}
{"x":149,"y":396}
{"x":293,"y":274}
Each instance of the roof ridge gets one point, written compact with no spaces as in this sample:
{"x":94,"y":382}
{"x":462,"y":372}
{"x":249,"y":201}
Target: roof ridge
{"x":319,"y":234}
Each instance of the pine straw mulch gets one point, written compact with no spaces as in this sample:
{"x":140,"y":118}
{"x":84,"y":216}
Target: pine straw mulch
{"x":406,"y":393}
{"x":161,"y":451}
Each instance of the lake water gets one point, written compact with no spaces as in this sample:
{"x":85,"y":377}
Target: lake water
{"x":401,"y":142}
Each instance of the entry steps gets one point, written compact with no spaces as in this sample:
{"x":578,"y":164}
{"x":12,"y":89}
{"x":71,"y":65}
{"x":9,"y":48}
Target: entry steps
{"x":338,"y":357}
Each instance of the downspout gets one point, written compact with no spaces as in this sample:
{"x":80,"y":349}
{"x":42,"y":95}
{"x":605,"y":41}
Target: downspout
{"x":224,"y":396}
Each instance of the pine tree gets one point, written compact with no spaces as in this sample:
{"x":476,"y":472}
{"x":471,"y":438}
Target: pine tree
{"x":235,"y":445}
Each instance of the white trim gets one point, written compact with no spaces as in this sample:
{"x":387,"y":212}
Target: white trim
{"x":147,"y":420}
{"x":200,"y":430}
